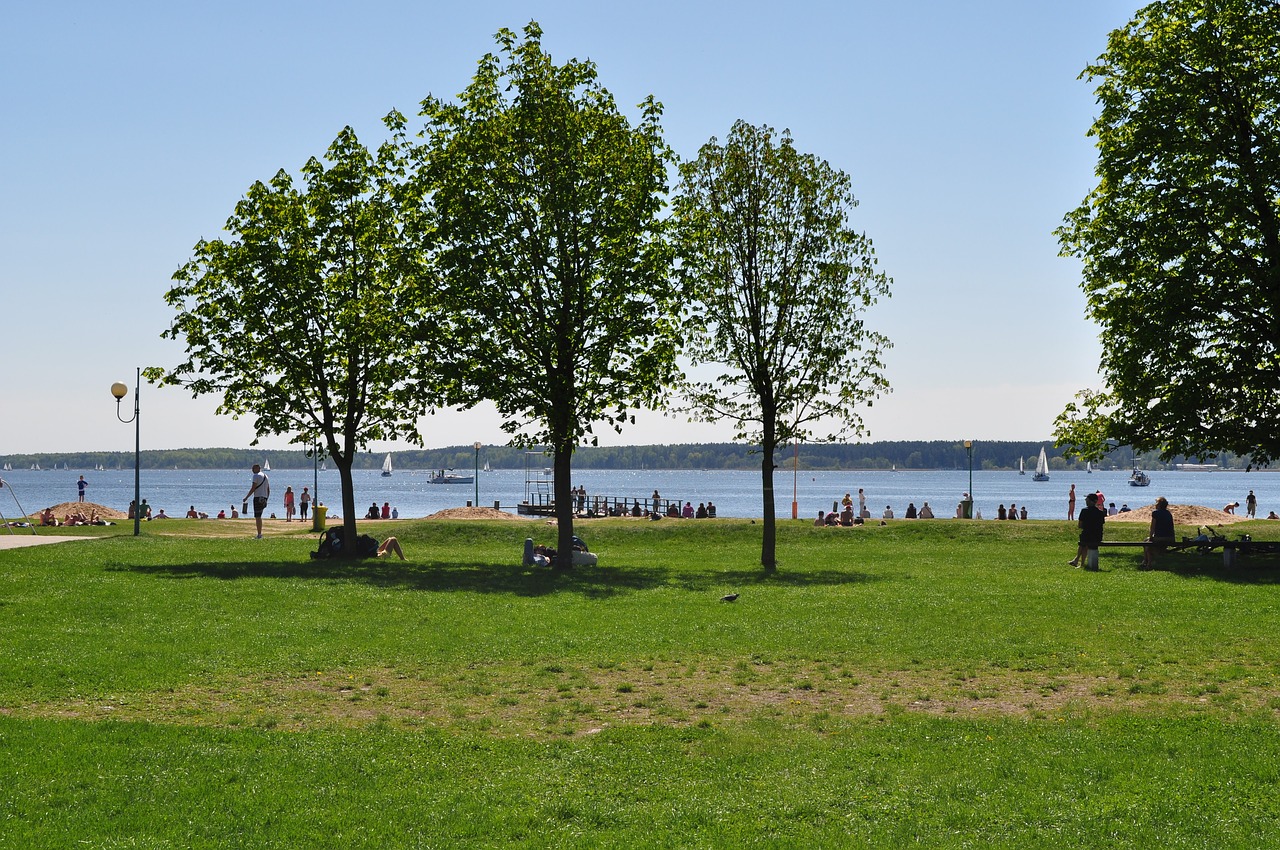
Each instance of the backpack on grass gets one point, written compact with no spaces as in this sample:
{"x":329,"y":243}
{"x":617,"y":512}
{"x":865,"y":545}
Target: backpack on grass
{"x":331,"y":545}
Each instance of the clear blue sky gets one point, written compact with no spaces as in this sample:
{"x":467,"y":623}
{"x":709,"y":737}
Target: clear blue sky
{"x":130,"y":131}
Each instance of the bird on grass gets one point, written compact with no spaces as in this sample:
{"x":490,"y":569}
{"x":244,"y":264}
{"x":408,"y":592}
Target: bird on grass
{"x":729,"y":597}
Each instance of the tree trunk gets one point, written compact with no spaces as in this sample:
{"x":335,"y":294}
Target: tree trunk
{"x":348,"y":505}
{"x":565,"y":503}
{"x":769,"y":545}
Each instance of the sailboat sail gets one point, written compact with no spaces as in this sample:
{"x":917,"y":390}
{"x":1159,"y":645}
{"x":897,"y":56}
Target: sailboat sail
{"x":386,"y":465}
{"x":266,"y":466}
{"x":1042,"y":467}
{"x":1022,"y":466}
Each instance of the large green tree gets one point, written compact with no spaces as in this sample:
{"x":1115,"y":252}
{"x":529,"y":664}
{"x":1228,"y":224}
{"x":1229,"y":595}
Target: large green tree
{"x":305,"y":318}
{"x":546,"y":202}
{"x":1181,"y":237}
{"x":780,"y":283}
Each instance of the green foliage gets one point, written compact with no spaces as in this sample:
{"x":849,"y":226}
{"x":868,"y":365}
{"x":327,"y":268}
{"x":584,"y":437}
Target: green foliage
{"x":780,"y":281}
{"x":302,"y":319}
{"x":1181,"y":237}
{"x":546,"y":203}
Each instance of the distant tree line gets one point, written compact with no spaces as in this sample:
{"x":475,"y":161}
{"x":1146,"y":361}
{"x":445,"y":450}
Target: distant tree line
{"x":900,"y":454}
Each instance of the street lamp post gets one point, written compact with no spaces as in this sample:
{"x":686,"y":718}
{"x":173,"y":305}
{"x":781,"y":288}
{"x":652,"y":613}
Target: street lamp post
{"x":795,"y":481}
{"x":477,"y":478}
{"x":119,"y":389}
{"x":968,"y":447}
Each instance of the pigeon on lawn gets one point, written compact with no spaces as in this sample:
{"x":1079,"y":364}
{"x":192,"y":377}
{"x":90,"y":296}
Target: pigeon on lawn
{"x":729,"y":597}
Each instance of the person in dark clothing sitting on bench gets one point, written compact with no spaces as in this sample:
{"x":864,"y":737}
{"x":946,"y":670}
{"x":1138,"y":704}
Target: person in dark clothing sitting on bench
{"x":1091,"y":522}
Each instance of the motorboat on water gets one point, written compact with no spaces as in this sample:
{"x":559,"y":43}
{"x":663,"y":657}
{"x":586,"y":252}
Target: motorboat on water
{"x":1138,"y":478}
{"x":448,"y":476}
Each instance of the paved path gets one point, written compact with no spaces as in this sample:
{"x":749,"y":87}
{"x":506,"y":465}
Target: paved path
{"x":24,"y":537}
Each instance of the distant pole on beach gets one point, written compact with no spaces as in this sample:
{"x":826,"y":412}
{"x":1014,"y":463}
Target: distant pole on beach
{"x":795,"y":476}
{"x":968,"y":447}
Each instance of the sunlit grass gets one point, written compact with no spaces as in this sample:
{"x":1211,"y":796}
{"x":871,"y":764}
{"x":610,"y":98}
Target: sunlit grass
{"x":949,"y":682}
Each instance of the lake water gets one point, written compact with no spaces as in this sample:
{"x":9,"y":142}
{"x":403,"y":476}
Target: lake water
{"x":735,"y":493}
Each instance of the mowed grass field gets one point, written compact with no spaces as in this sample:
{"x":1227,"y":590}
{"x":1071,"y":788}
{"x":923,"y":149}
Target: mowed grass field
{"x":938,"y":684}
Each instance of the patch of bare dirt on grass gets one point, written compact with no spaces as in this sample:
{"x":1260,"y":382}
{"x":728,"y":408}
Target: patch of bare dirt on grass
{"x":1182,"y":515}
{"x":554,"y":700}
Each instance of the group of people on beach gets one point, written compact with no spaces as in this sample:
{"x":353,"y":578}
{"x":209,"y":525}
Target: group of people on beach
{"x":843,"y":512}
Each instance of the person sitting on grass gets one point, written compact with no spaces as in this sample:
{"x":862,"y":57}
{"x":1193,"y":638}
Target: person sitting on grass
{"x":191,"y":513}
{"x":926,"y":512}
{"x":390,"y":546}
{"x":47,"y":517}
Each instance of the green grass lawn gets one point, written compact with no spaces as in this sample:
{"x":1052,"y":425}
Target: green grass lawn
{"x":941,"y":684}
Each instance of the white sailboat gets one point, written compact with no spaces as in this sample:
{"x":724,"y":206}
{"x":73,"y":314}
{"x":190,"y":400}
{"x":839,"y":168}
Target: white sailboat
{"x":1088,"y":466}
{"x":486,"y":467}
{"x":266,"y":465}
{"x":1042,"y":467}
{"x":386,"y":466}
{"x":1022,"y":466}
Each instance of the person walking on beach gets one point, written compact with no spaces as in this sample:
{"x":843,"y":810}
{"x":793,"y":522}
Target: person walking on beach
{"x":260,"y":492}
{"x":1250,"y":504}
{"x":288,"y":504}
{"x":304,"y":503}
{"x":1071,"y":502}
{"x":81,"y":484}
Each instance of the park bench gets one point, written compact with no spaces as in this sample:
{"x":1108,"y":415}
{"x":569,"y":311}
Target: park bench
{"x":1202,"y":544}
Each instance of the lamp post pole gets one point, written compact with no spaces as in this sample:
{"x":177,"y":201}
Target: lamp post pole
{"x":119,"y":389}
{"x":795,"y":481}
{"x":477,"y":478}
{"x":968,"y":447}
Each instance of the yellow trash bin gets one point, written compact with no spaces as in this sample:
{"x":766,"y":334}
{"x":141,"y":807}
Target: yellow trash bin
{"x":318,"y":514}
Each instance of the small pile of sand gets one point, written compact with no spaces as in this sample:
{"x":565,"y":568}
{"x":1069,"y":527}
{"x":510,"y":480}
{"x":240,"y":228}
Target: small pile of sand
{"x":474,"y":513}
{"x":63,"y":509}
{"x":1182,"y":515}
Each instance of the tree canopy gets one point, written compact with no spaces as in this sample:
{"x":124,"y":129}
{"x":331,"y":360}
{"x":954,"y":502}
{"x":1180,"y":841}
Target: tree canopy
{"x":304,"y":318}
{"x":546,"y":203}
{"x":780,"y":281}
{"x":1180,"y":239}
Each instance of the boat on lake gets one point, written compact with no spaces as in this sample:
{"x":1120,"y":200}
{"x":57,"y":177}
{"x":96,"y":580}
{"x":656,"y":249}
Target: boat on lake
{"x":1042,"y":467}
{"x":386,"y":466}
{"x":1139,"y":478}
{"x":448,"y":476}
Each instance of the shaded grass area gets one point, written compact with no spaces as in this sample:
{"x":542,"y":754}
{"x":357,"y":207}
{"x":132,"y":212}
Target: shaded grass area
{"x":949,"y":683}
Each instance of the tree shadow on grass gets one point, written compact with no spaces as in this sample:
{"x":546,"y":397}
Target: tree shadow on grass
{"x":476,"y":577}
{"x":1253,"y":569}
